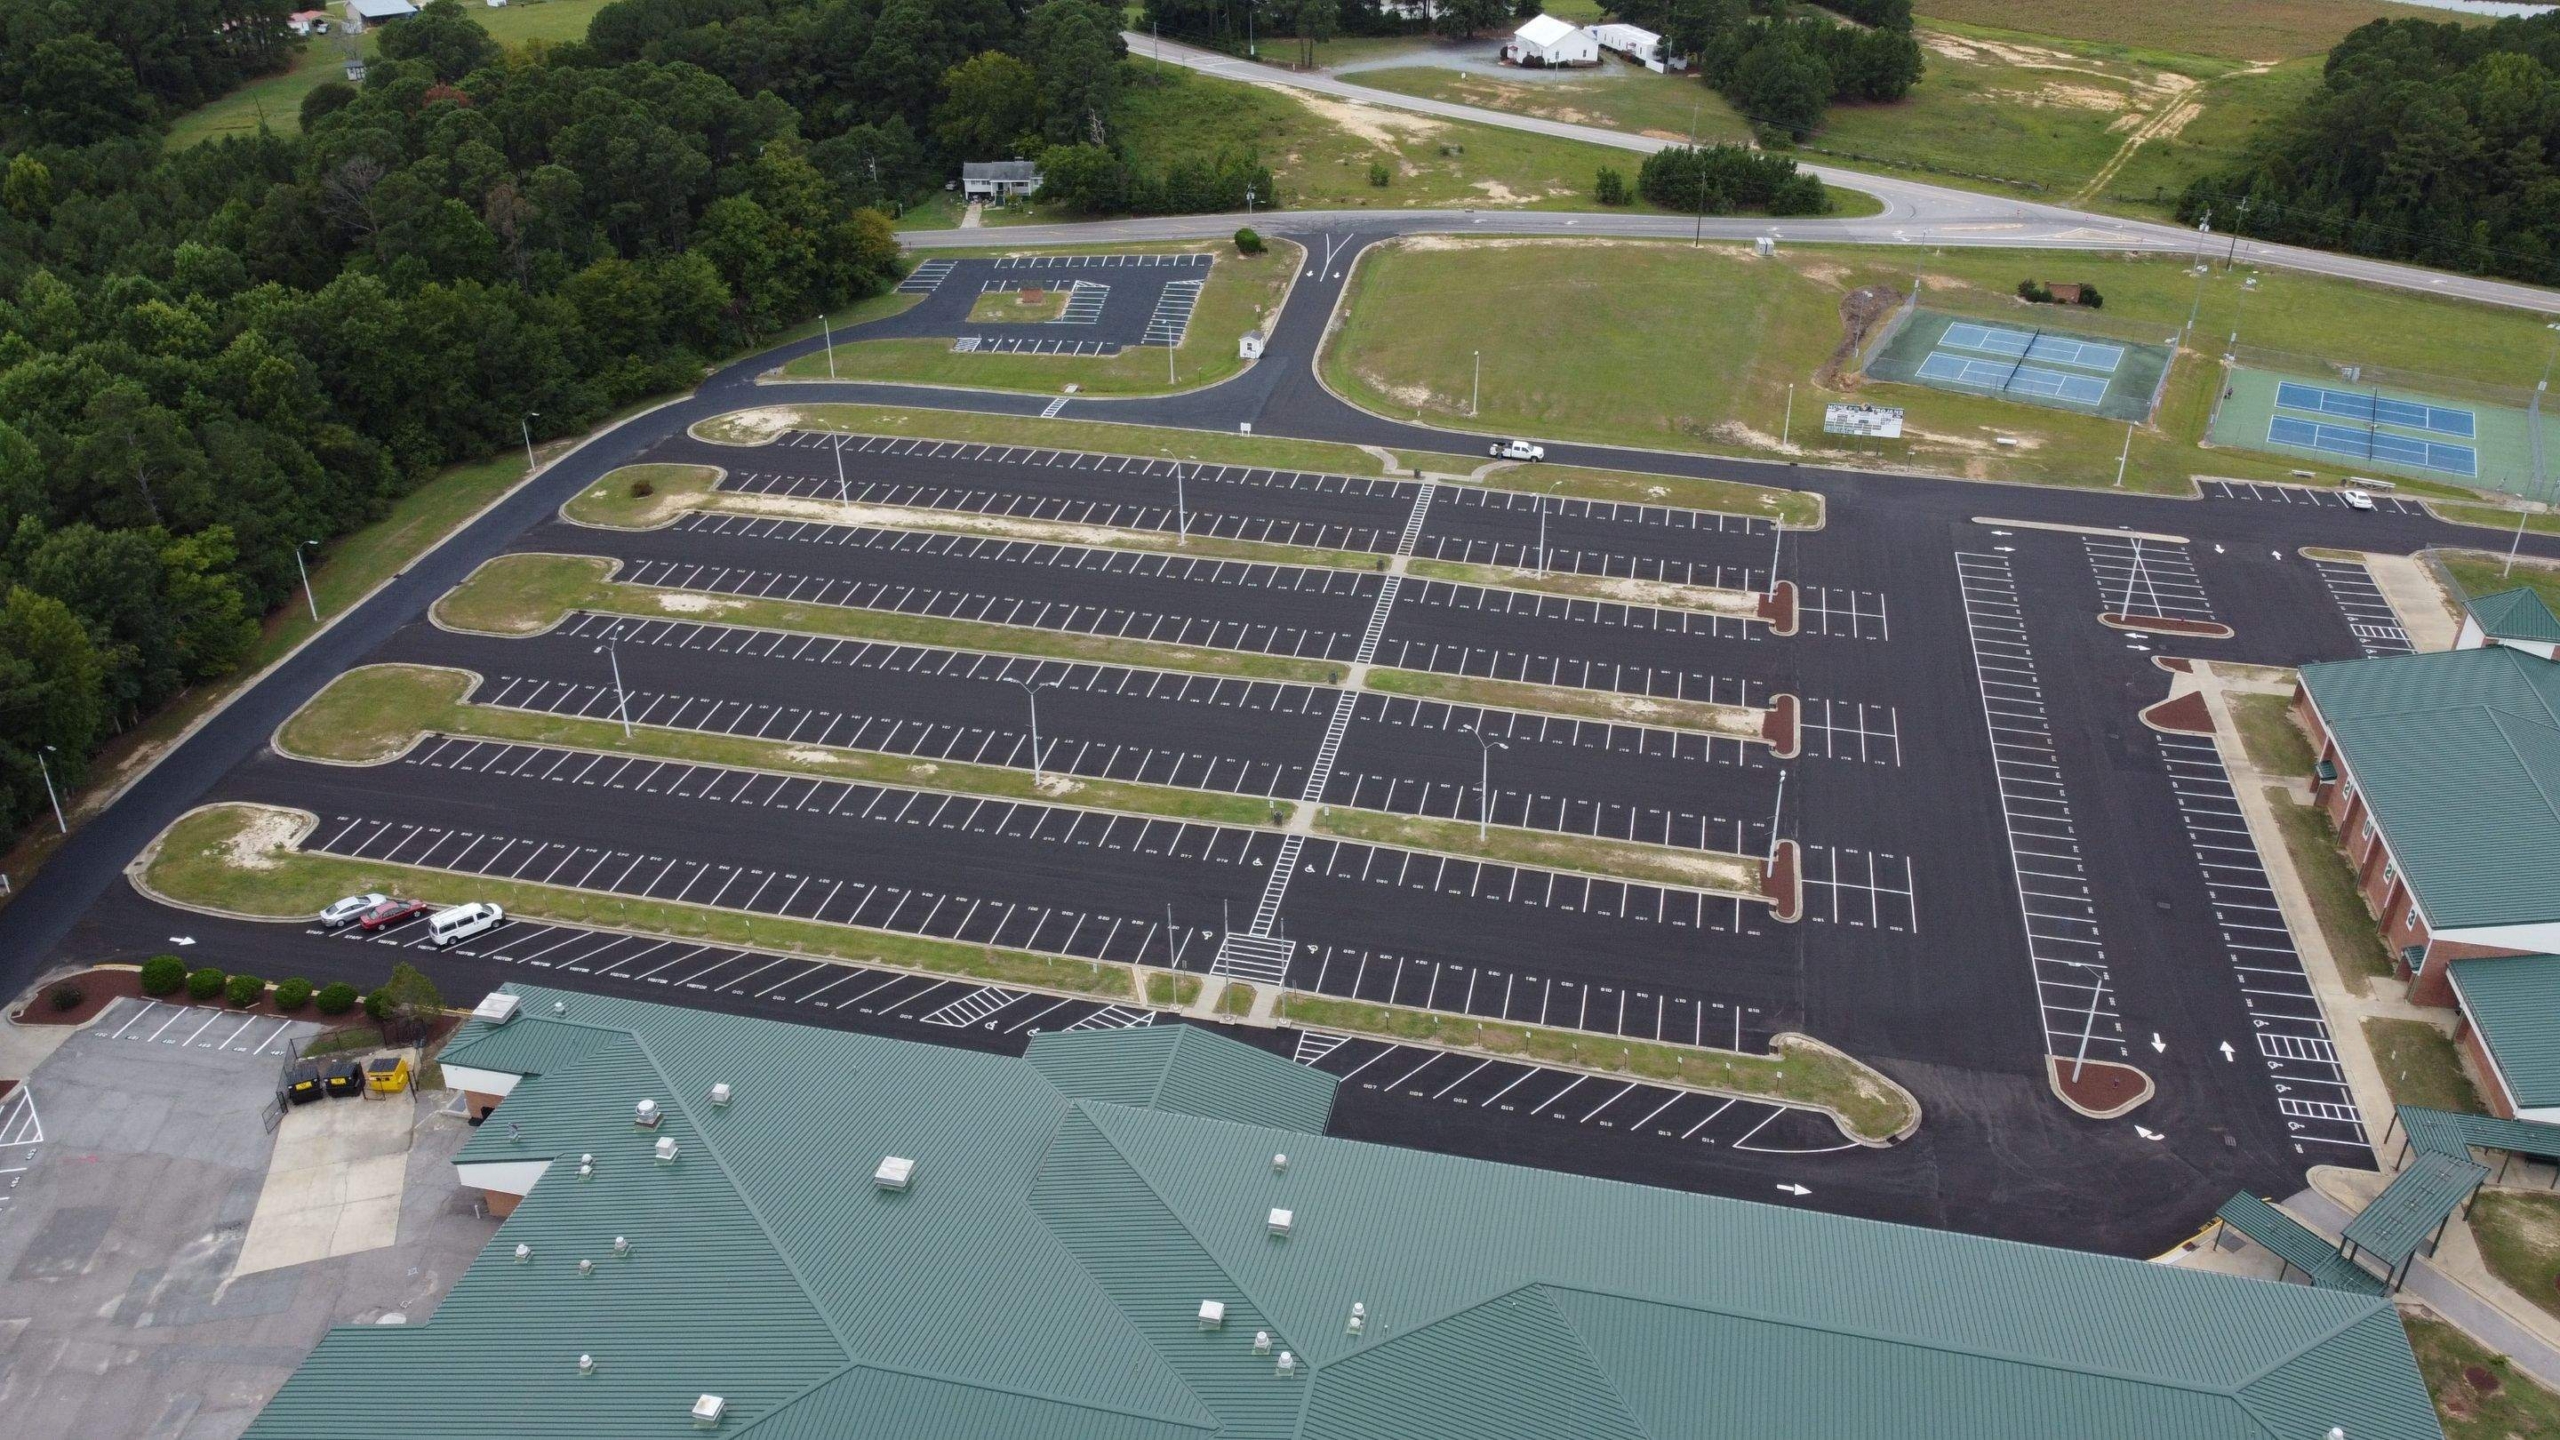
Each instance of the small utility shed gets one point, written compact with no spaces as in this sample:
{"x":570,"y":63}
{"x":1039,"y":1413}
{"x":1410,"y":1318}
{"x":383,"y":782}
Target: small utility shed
{"x":1549,"y":41}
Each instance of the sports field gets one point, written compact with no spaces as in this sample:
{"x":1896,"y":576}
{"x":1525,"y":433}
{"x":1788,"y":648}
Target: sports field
{"x":2025,"y":361}
{"x":2339,"y":423}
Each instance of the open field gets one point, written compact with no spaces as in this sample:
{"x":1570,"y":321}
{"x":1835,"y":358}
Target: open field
{"x":2507,"y":1406}
{"x":2231,"y":29}
{"x":1581,"y":359}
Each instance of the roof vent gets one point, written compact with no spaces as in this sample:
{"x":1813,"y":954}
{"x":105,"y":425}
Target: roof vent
{"x":586,"y":1167}
{"x":1280,"y":1221}
{"x":1213,"y":1313}
{"x":1288,"y":1365}
{"x":621,"y":1246}
{"x":2337,"y":1432}
{"x":1359,"y":1318}
{"x":524,"y":1253}
{"x":586,"y":1364}
{"x":646,"y":1115}
{"x":666,"y":1148}
{"x":1279,"y":1163}
{"x":1261,"y":1342}
{"x":559,"y":1007}
{"x":588,"y":1267}
{"x":496,"y":1007}
{"x":894,"y":1172}
{"x":707,"y":1410}
{"x":720,"y":1093}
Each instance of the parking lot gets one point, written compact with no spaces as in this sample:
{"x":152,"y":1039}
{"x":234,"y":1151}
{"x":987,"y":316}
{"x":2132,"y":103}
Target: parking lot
{"x":1113,"y":302}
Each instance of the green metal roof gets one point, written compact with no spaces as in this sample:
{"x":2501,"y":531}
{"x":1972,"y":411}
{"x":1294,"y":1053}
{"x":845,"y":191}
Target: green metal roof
{"x":1042,"y":1277}
{"x":2447,"y":1132}
{"x":2514,"y":1002}
{"x":1186,"y":1069}
{"x":2517,"y":614}
{"x":2297,"y":1244}
{"x":522,"y":1049}
{"x":2400,"y":1219}
{"x":2458,"y":755}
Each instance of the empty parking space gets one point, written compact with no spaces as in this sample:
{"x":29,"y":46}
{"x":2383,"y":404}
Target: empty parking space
{"x":2147,"y":578}
{"x":927,"y":277}
{"x":1837,"y":611}
{"x":1862,"y":889}
{"x":2273,"y":494}
{"x":1163,"y":260}
{"x":1172,"y":318}
{"x":1528,"y":529}
{"x":1583,"y":644}
{"x":21,"y":1142}
{"x":1031,"y":345}
{"x":1833,"y":730}
{"x":2369,"y":615}
{"x":202,"y":1027}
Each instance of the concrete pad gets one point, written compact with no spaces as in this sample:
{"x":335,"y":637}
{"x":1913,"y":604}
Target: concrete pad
{"x":2425,"y":611}
{"x":334,"y":1184}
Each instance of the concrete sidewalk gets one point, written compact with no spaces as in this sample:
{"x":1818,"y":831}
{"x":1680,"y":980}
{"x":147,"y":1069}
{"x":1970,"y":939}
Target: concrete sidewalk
{"x":2448,"y":1296}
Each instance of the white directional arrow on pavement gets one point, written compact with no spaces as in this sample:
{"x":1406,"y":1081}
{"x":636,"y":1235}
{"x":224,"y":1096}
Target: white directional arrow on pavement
{"x":1795,"y":1189}
{"x":2148,"y":1134}
{"x":2226,"y":1052}
{"x":182,"y":939}
{"x":2158,"y":1045}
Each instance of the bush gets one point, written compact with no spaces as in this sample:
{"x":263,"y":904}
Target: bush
{"x":66,"y":995}
{"x":293,"y":994}
{"x":2034,"y":293}
{"x":1249,"y":241}
{"x":162,"y":974}
{"x":1379,"y":174}
{"x":204,"y":984}
{"x":244,"y":990}
{"x":1611,"y":189}
{"x":1719,"y":179}
{"x":377,"y":1006}
{"x":335,"y":998}
{"x":2090,"y":297}
{"x":641,"y":489}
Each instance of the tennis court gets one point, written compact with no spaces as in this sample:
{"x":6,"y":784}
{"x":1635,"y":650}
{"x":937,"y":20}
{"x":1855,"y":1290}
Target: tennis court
{"x":2374,"y":408}
{"x":2354,"y":426}
{"x":2034,"y":345}
{"x":2025,"y":363}
{"x":2358,"y":442}
{"x":2011,"y":377}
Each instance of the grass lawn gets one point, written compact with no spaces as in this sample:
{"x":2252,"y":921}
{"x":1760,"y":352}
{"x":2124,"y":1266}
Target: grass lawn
{"x":2344,"y":922}
{"x":2231,"y":29}
{"x":2479,"y":575}
{"x":1815,"y":1075}
{"x":1171,"y":989}
{"x":641,"y":497}
{"x":1242,"y":292}
{"x":2236,"y":107}
{"x":373,"y":712}
{"x":2494,"y":518}
{"x":2275,"y":744}
{"x":526,"y":594}
{"x":1236,"y":999}
{"x":1584,"y":359}
{"x":1726,"y":720}
{"x":1582,"y":854}
{"x":234,"y":857}
{"x":1018,"y":307}
{"x":2420,"y":1066}
{"x":278,"y":97}
{"x":2519,"y":1235}
{"x":2479,"y":1395}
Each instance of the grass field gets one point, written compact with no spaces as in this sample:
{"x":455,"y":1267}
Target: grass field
{"x":641,"y":497}
{"x":2479,"y":575}
{"x":2420,"y":1066}
{"x":2478,"y":1395}
{"x":1242,"y":292}
{"x":277,"y":99}
{"x":2275,"y":744}
{"x":2519,"y":1235}
{"x":1581,"y":358}
{"x":2231,"y":29}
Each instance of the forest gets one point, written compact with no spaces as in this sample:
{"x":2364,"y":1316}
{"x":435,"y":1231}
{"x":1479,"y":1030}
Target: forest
{"x":2428,"y":142}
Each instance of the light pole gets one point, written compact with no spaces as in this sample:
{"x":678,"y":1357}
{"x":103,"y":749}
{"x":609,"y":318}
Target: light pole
{"x":1542,"y":528}
{"x":830,"y":332}
{"x":2204,"y":227}
{"x":611,"y":649}
{"x":305,"y":572}
{"x":49,"y":793}
{"x":2125,"y":454}
{"x":1475,"y":387}
{"x":1484,"y":784}
{"x":1787,"y":427}
{"x":1697,"y":228}
{"x":2243,"y":223}
{"x":1248,"y":202}
{"x":1181,"y":510}
{"x":844,"y":496}
{"x":1031,"y":692}
{"x":525,"y":421}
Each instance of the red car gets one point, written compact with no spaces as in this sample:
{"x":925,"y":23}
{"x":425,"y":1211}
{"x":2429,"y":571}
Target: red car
{"x":392,"y":912}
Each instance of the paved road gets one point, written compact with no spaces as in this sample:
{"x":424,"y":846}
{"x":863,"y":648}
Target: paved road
{"x":1914,"y":211}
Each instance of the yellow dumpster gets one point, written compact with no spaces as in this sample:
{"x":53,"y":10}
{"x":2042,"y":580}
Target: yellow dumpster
{"x":388,"y":1075}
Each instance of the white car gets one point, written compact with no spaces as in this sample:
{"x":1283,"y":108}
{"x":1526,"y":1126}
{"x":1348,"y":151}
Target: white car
{"x":342,"y":913}
{"x":452,"y":927}
{"x":2357,"y":499}
{"x":1518,"y":450}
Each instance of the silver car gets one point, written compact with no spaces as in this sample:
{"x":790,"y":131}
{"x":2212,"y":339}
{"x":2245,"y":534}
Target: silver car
{"x":342,"y":913}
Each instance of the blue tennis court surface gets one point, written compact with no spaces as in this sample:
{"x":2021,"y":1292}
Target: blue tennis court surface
{"x":2008,"y":377}
{"x":2374,"y":445}
{"x":2056,"y":349}
{"x":2371,"y":409}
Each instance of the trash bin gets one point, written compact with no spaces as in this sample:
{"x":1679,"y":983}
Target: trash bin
{"x":346,"y":1078}
{"x":388,"y":1075}
{"x":302,"y":1082}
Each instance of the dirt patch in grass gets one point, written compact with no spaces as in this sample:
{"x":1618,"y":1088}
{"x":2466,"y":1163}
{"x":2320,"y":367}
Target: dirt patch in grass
{"x":1729,"y":720}
{"x":2345,"y":924}
{"x":2421,"y":1066}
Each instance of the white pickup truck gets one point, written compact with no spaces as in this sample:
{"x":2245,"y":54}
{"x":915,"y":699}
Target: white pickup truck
{"x":1518,"y":450}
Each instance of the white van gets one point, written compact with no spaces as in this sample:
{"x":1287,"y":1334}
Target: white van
{"x":452,"y":927}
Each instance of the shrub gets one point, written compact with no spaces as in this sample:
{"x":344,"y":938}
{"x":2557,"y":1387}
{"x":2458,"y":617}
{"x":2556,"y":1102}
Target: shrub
{"x":204,"y":984}
{"x":1379,"y":174}
{"x":2034,"y":292}
{"x":1249,"y":241}
{"x":65,"y":996}
{"x":293,"y":994}
{"x":1611,"y":189}
{"x":641,"y":489}
{"x":377,"y":1006}
{"x":2090,"y":297}
{"x":244,"y":990}
{"x":162,"y":974}
{"x":335,"y":998}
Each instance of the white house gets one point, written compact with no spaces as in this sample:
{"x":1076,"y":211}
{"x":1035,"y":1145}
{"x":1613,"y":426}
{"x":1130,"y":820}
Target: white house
{"x":999,"y":180}
{"x":370,"y":11}
{"x":1549,"y":41}
{"x":1639,"y":45}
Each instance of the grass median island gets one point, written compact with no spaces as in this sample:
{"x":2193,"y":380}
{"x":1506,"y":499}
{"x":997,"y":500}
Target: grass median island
{"x":1701,"y":598}
{"x":820,"y":510}
{"x":1731,"y":721}
{"x":2479,"y":1395}
{"x":642,"y":497}
{"x":2421,"y":1066}
{"x":240,"y":858}
{"x":760,"y":424}
{"x":2345,"y":924}
{"x":1021,"y":306}
{"x":1550,"y":850}
{"x":2495,"y":517}
{"x":526,"y":594}
{"x":1171,"y":989}
{"x":2275,"y":744}
{"x":1870,"y":1107}
{"x":369,"y":714}
{"x":1794,"y":509}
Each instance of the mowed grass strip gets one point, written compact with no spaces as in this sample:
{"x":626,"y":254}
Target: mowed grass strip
{"x":1706,"y":870}
{"x":1872,"y":1108}
{"x":2275,"y":744}
{"x":1730,"y":721}
{"x":236,"y":858}
{"x":1793,"y":509}
{"x":2344,"y":922}
{"x":374,"y":713}
{"x":642,"y":497}
{"x":1702,"y":598}
{"x":526,"y":594}
{"x":1048,"y":532}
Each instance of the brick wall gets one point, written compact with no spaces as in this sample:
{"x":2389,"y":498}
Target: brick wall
{"x":2478,"y":1054}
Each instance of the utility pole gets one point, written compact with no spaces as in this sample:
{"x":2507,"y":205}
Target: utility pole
{"x":621,"y":698}
{"x":2237,"y":226}
{"x":2125,"y":454}
{"x":526,"y":422}
{"x":1787,"y":427}
{"x":312,"y":600}
{"x":49,"y":792}
{"x":2204,"y":227}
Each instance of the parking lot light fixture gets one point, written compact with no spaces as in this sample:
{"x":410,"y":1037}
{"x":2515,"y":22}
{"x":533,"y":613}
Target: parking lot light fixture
{"x":305,"y":572}
{"x":844,"y":496}
{"x":830,"y":331}
{"x":1475,"y":387}
{"x":1484,"y":785}
{"x":621,"y":699}
{"x":1181,"y":510}
{"x":49,"y":792}
{"x":525,"y":422}
{"x":1031,"y":692}
{"x":1542,"y":527}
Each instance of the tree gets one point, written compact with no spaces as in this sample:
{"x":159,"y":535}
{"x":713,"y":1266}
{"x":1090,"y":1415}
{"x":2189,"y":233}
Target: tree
{"x":990,"y":106}
{"x":1465,"y":19}
{"x":1315,"y":21}
{"x":324,"y":100}
{"x":446,"y":37}
{"x":1781,"y":85}
{"x":1075,"y":48}
{"x":49,"y":701}
{"x":77,"y":91}
{"x":1611,"y":188}
{"x":407,"y":1004}
{"x":27,"y":191}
